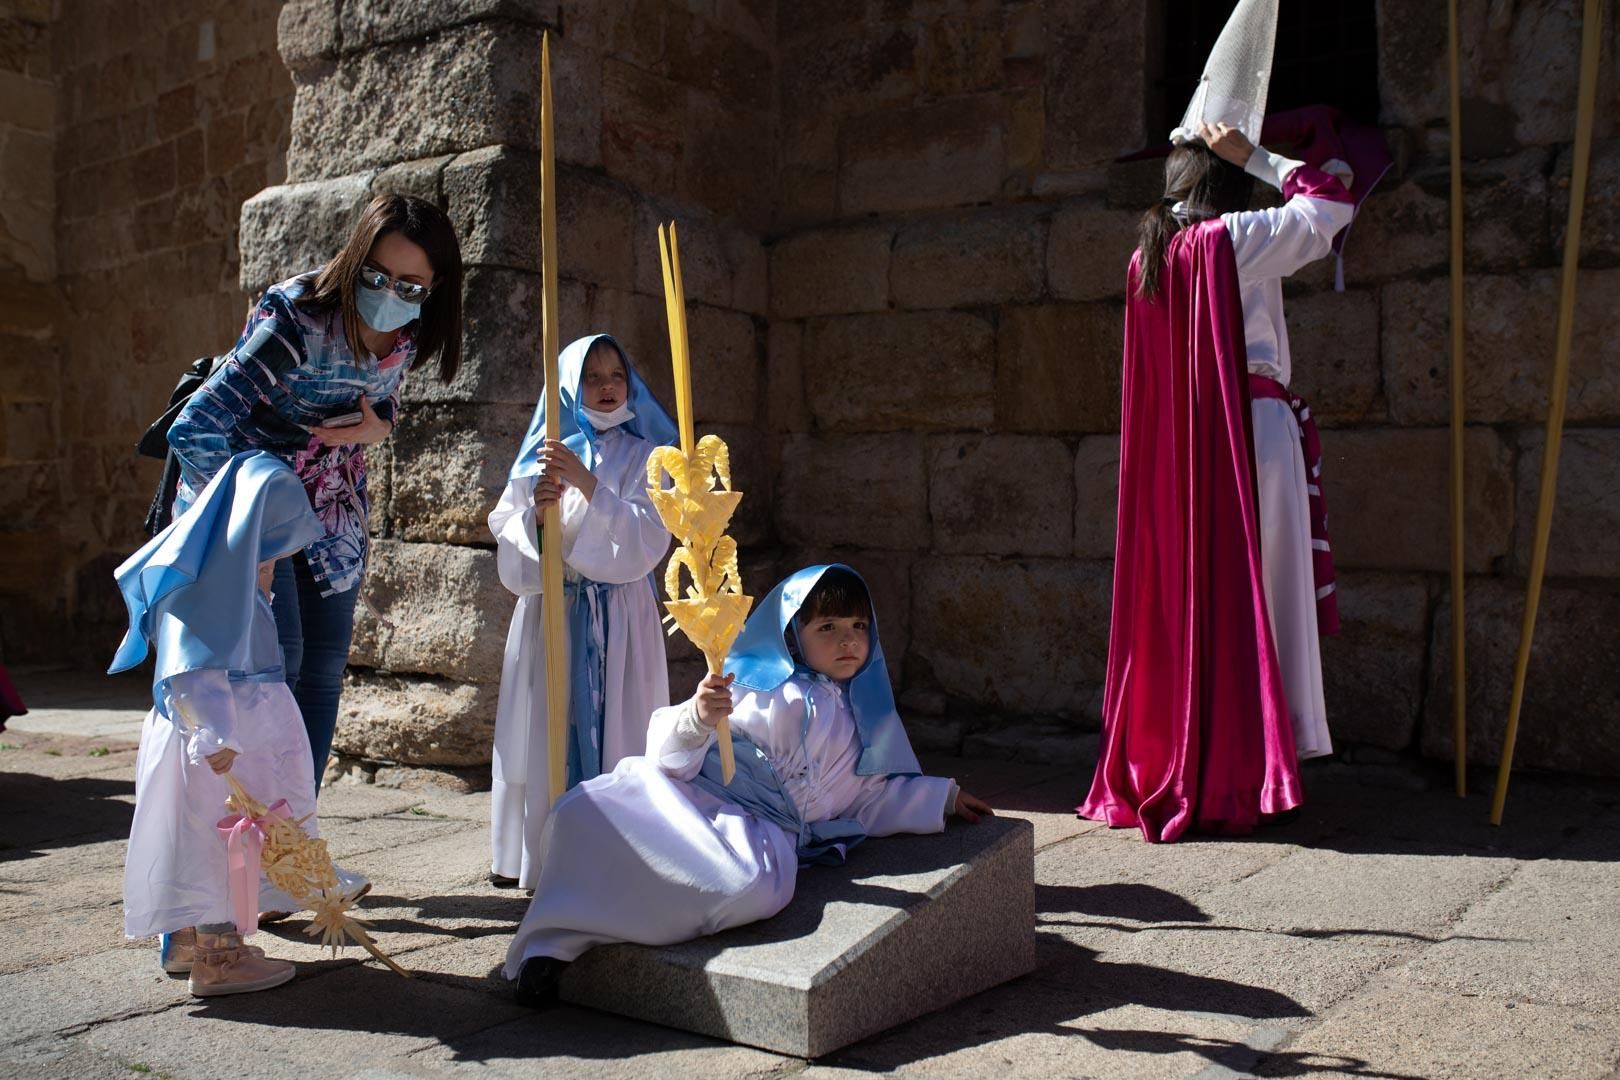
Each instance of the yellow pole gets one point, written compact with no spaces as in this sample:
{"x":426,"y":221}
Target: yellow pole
{"x":1584,"y":108}
{"x":1459,"y":667}
{"x":551,"y":546}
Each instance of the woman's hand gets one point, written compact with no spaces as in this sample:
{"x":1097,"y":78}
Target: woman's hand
{"x":560,"y":463}
{"x":220,"y":761}
{"x":713,"y":699}
{"x":371,"y":429}
{"x":971,"y":807}
{"x":1228,"y":143}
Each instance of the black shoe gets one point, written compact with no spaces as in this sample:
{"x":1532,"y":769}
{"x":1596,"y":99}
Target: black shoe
{"x":537,"y":981}
{"x":502,"y":882}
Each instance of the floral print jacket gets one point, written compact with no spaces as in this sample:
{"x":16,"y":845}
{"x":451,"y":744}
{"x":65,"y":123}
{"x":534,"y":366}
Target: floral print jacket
{"x":290,"y":371}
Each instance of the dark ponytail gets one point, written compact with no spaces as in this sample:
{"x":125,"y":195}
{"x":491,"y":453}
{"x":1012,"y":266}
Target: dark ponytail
{"x":1207,"y":185}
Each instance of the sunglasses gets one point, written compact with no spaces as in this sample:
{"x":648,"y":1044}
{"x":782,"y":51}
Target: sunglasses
{"x":408,"y":291}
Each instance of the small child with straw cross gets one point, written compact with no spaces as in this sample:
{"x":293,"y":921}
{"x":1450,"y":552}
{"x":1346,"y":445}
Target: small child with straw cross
{"x":222,"y":721}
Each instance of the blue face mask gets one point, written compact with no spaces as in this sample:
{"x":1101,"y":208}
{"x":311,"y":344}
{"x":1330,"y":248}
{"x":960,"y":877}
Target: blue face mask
{"x":382,"y":310}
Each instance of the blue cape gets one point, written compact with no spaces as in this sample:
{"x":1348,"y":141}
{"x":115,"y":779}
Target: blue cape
{"x":190,"y":589}
{"x":761,"y":661}
{"x":650,"y":421}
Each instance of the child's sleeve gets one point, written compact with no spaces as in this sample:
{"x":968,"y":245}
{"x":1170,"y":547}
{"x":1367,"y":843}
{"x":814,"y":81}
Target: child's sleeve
{"x":616,"y":537}
{"x":202,"y":704}
{"x":517,"y":548}
{"x":904,"y":804}
{"x":677,"y":741}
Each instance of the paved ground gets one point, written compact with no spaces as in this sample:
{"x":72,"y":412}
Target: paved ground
{"x":1387,"y":932}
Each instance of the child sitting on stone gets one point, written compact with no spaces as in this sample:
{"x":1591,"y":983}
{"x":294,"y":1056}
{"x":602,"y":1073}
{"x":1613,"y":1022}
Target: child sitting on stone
{"x":662,"y":850}
{"x":612,"y":539}
{"x":199,"y":593}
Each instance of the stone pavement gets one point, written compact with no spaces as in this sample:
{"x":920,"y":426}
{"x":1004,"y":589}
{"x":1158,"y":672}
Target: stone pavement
{"x":1387,"y":931}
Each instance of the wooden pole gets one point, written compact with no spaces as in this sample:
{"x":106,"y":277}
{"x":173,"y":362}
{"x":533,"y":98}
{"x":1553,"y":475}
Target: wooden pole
{"x":551,"y":545}
{"x":1459,"y":666}
{"x":1559,"y":393}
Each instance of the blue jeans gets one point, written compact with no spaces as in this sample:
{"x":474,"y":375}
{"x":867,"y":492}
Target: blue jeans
{"x":315,"y":631}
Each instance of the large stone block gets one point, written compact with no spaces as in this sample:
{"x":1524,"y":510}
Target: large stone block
{"x":785,"y":409}
{"x":1333,"y":342}
{"x":866,"y":491}
{"x":1568,"y":718}
{"x":726,"y":363}
{"x":1387,"y":498}
{"x":1509,"y":334}
{"x":720,"y":157}
{"x":831,"y":272}
{"x":929,"y":156}
{"x":366,"y":24}
{"x":1096,"y":496}
{"x":1059,"y":368}
{"x":1585,"y":538}
{"x":1373,"y":669}
{"x":859,"y":949}
{"x":721,"y":263}
{"x":1000,"y":495}
{"x":470,"y":86}
{"x":493,"y":194}
{"x":900,"y":371}
{"x":445,"y":609}
{"x":1600,"y":216}
{"x":289,"y":229}
{"x":416,"y":721}
{"x":1025,"y":636}
{"x":1096,"y":82}
{"x":1089,"y":252}
{"x":449,"y":465}
{"x":990,"y":257}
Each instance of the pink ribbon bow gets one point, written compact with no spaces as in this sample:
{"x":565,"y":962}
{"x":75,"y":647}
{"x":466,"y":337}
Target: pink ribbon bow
{"x":244,"y":845}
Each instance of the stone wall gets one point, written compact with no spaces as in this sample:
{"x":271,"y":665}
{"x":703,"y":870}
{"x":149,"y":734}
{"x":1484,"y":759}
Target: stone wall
{"x":161,"y":123}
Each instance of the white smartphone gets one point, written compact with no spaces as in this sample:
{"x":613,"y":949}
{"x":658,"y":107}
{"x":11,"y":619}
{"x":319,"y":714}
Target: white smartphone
{"x":344,"y":419}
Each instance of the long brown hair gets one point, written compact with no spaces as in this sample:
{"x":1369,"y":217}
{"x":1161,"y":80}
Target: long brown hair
{"x":438,"y":332}
{"x":1207,"y":184}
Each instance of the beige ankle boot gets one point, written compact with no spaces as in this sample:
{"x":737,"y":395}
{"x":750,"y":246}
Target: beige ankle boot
{"x":179,"y":952}
{"x":224,"y":965}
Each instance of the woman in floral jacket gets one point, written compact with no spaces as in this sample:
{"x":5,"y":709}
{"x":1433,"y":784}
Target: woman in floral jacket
{"x":315,"y":379}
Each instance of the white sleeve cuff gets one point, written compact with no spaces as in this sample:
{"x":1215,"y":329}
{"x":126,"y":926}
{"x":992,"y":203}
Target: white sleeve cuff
{"x":1269,"y":167}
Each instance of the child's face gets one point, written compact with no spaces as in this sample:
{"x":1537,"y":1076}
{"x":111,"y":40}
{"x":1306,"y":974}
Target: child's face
{"x":267,"y":574}
{"x":605,"y":384}
{"x":835,"y":646}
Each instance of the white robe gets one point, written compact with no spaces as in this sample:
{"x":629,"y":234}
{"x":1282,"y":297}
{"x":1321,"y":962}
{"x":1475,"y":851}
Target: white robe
{"x":1270,"y":245}
{"x":643,"y":855}
{"x":175,"y":873}
{"x":616,"y":538}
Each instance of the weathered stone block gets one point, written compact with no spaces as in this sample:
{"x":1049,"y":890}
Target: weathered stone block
{"x":831,"y":272}
{"x":1333,"y":341}
{"x":1379,"y":524}
{"x":867,"y":491}
{"x":470,"y":86}
{"x":1096,"y":498}
{"x":416,"y":721}
{"x":1000,"y":495}
{"x":1026,"y":636}
{"x":721,"y":264}
{"x":307,"y":32}
{"x":887,"y":372}
{"x":1096,"y":82}
{"x":1373,"y":669}
{"x":961,"y":54}
{"x":296,"y":227}
{"x":985,"y":258}
{"x":717,"y":168}
{"x":1600,"y":216}
{"x":366,"y":24}
{"x":447,"y":608}
{"x":449,"y":465}
{"x":922,"y":158}
{"x":725,"y":361}
{"x":849,"y":956}
{"x":1509,"y":332}
{"x":1089,"y":251}
{"x":419,"y":178}
{"x":785,"y":409}
{"x":1568,"y":718}
{"x":1059,"y":368}
{"x":1585,"y":539}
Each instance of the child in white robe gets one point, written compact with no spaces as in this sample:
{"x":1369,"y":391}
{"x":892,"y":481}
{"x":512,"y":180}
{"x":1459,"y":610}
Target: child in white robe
{"x":613,"y":539}
{"x":199,"y":593}
{"x":661,"y":850}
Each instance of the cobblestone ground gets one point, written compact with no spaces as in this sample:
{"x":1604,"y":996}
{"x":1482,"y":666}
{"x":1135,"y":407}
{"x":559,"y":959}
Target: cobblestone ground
{"x":1388,"y":931}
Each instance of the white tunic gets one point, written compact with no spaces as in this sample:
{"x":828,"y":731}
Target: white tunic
{"x":1270,"y":245}
{"x":175,"y":873}
{"x":615,"y":538}
{"x":643,"y":855}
